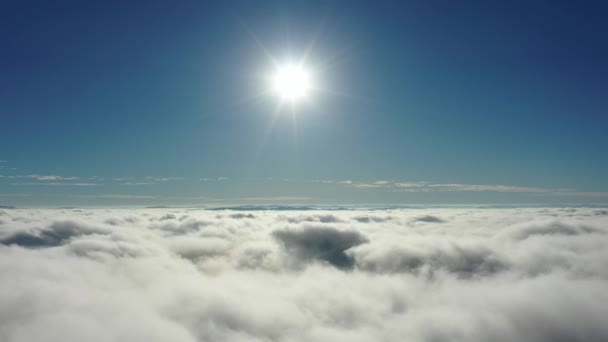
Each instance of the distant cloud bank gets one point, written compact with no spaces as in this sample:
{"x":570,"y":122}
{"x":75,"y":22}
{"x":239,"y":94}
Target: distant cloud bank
{"x":50,"y":189}
{"x":533,"y":274}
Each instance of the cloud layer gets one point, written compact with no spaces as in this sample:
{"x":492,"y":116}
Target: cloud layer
{"x":382,"y":275}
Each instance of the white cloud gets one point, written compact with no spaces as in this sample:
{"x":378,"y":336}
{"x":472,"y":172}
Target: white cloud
{"x":439,"y":187}
{"x":51,"y":177}
{"x":327,"y":181}
{"x":42,"y":177}
{"x":56,"y":184}
{"x":411,"y":184}
{"x":159,"y":179}
{"x":376,"y":184}
{"x":380,"y":275}
{"x":273,"y":199}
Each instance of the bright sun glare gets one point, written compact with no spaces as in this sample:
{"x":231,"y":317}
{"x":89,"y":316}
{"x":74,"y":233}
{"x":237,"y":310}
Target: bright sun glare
{"x":291,"y":82}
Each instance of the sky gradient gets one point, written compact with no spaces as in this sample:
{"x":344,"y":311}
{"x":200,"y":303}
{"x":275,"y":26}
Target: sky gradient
{"x":440,"y":102}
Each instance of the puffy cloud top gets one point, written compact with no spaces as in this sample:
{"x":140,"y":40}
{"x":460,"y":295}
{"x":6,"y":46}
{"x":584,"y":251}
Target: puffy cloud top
{"x":391,"y":275}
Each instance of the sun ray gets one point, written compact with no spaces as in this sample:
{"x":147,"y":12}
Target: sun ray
{"x":259,"y":44}
{"x":269,"y":128}
{"x":294,"y":123}
{"x":314,"y":40}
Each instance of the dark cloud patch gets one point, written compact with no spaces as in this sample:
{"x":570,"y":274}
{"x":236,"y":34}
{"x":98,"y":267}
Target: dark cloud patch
{"x":186,"y":227}
{"x":56,"y":234}
{"x":323,"y":218}
{"x":101,"y":248}
{"x":43,"y":239}
{"x":254,"y":258}
{"x":112,"y":221}
{"x":372,"y":219}
{"x":464,"y":261}
{"x":168,"y":217}
{"x":242,"y":216}
{"x":321,"y":243}
{"x":195,"y":249}
{"x":428,"y":219}
{"x":131,"y":219}
{"x":22,"y":219}
{"x":552,"y":228}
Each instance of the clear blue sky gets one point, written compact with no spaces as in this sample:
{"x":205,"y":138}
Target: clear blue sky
{"x":153,"y":102}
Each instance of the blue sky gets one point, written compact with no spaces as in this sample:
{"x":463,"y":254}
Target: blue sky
{"x":441,"y":102}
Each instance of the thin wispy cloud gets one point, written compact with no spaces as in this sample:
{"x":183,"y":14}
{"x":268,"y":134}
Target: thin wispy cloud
{"x":164,"y":179}
{"x":158,"y":198}
{"x":218,"y":179}
{"x":52,"y":177}
{"x":42,"y":177}
{"x":55,"y":184}
{"x":15,"y":195}
{"x":116,"y":196}
{"x":274,"y":199}
{"x":326,"y":181}
{"x":387,"y":186}
{"x":376,"y":184}
{"x":439,"y":187}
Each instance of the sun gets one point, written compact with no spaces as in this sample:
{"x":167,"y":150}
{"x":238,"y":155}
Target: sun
{"x":291,"y":82}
